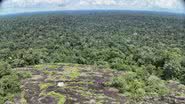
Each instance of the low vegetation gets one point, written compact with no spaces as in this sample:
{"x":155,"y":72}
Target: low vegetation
{"x":10,"y":82}
{"x":71,"y":73}
{"x":44,"y":86}
{"x":136,"y":86}
{"x":61,"y":98}
{"x":46,"y":66}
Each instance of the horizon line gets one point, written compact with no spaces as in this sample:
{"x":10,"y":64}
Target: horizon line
{"x":132,"y":10}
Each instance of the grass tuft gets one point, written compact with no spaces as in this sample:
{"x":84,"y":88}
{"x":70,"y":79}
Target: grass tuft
{"x":61,"y":98}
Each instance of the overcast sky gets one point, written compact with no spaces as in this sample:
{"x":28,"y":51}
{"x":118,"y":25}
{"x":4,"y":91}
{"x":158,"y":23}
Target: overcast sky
{"x":13,"y":6}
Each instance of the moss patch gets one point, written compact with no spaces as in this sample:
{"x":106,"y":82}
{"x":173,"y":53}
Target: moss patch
{"x":70,"y":72}
{"x":46,"y":66}
{"x":44,"y":86}
{"x":23,"y":100}
{"x":61,"y":98}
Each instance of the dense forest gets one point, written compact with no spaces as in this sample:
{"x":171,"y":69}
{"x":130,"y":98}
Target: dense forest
{"x":148,"y":46}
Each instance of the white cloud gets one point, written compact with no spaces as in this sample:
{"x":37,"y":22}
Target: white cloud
{"x":165,"y":5}
{"x":132,"y":4}
{"x":29,"y":3}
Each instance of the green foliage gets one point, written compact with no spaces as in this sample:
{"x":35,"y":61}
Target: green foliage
{"x":28,"y":57}
{"x":183,"y":62}
{"x":182,"y":77}
{"x":96,"y":39}
{"x":156,"y":87}
{"x":172,"y":67}
{"x":137,"y":85}
{"x":24,"y":75}
{"x":4,"y":69}
{"x":146,"y":44}
{"x":9,"y":83}
{"x":122,"y":67}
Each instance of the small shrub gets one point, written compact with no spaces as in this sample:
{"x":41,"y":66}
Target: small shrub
{"x":137,"y":85}
{"x":122,"y":67}
{"x":24,"y":75}
{"x":9,"y":83}
{"x":183,"y":62}
{"x":4,"y":69}
{"x":155,"y":86}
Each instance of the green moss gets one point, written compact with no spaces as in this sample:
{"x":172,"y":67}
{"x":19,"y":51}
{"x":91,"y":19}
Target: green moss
{"x":74,"y":74}
{"x":52,"y":73}
{"x":44,"y":86}
{"x":46,"y":72}
{"x":85,"y":93}
{"x":43,"y":93}
{"x":52,"y":66}
{"x":56,"y":77}
{"x":70,"y":72}
{"x":23,"y":100}
{"x":68,"y":64}
{"x":39,"y":67}
{"x":61,"y":98}
{"x":82,"y":83}
{"x":99,"y":102}
{"x":46,"y":66}
{"x":75,"y":87}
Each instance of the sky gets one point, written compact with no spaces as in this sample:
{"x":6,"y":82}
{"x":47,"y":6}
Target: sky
{"x":20,"y":6}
